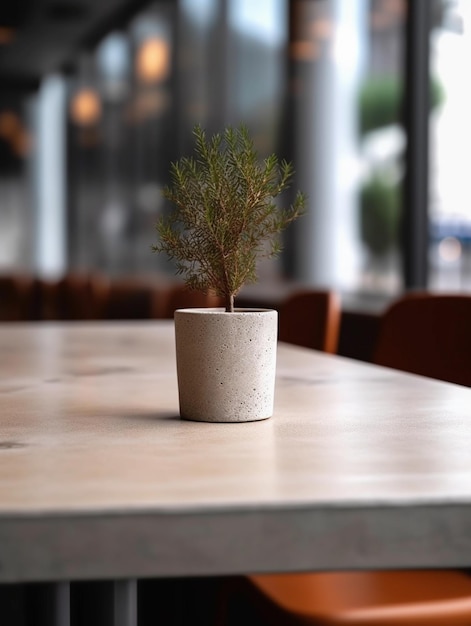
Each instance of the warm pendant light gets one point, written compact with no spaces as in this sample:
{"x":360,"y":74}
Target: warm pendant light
{"x":152,"y":60}
{"x":85,"y":107}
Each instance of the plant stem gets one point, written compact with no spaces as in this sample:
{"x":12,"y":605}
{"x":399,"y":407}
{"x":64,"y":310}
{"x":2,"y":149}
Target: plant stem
{"x":230,"y":303}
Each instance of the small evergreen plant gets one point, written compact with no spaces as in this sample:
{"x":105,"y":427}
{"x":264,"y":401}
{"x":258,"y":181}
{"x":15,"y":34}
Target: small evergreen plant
{"x":224,"y":216}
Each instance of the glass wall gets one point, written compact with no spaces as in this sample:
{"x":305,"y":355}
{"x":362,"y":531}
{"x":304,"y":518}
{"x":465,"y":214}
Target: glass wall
{"x":319,"y":82}
{"x":382,"y":144}
{"x":17,"y":219}
{"x":133,"y":105}
{"x":121,"y":139}
{"x":347,"y":70}
{"x":450,"y":137}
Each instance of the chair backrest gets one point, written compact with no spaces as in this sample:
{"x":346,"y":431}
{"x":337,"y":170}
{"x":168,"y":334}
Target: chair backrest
{"x":180,"y":297}
{"x":74,"y":296}
{"x":129,"y":299}
{"x":427,"y":334}
{"x":16,"y":297}
{"x":311,"y":318}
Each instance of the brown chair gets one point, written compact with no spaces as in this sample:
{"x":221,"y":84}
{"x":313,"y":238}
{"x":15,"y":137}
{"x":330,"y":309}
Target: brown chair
{"x":16,"y":295}
{"x":47,"y":299}
{"x":81,"y":296}
{"x":129,"y":299}
{"x":74,"y":296}
{"x":180,"y":297}
{"x":429,"y":335}
{"x":311,"y":319}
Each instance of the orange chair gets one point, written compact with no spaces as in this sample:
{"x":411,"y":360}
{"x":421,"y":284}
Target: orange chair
{"x":385,"y":598}
{"x":311,"y":319}
{"x":428,"y":335}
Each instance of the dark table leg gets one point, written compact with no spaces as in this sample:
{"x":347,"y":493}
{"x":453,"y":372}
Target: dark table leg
{"x":12,"y":603}
{"x":183,"y":602}
{"x":46,"y":604}
{"x":125,"y":603}
{"x":151,"y":602}
{"x":104,"y":603}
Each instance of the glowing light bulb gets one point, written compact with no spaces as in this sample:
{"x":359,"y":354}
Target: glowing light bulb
{"x":85,"y":108}
{"x":153,"y":60}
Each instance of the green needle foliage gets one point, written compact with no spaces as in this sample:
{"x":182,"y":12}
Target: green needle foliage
{"x":224,"y":216}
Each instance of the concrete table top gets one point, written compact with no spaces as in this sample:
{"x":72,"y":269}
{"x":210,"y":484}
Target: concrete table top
{"x":360,"y":466}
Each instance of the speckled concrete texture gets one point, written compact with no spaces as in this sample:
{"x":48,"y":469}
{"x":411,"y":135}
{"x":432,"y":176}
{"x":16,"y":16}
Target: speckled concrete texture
{"x":226,"y":364}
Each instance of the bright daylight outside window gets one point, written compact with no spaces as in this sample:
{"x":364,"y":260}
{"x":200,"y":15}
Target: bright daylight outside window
{"x":381,"y":148}
{"x":450,"y":137}
{"x":348,"y":71}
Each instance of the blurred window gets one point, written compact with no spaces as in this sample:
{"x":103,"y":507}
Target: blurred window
{"x":347,"y":73}
{"x":16,"y":217}
{"x":319,"y":83}
{"x":450,"y":138}
{"x":134,"y":102}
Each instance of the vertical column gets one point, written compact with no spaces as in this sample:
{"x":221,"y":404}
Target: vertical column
{"x":104,"y":603}
{"x":49,"y":178}
{"x":220,"y":70}
{"x":46,"y":604}
{"x":125,"y":603}
{"x":416,"y":122}
{"x":326,"y":133}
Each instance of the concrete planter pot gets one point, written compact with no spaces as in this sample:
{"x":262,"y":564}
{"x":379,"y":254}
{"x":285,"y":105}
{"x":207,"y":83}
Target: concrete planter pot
{"x":226,"y":364}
